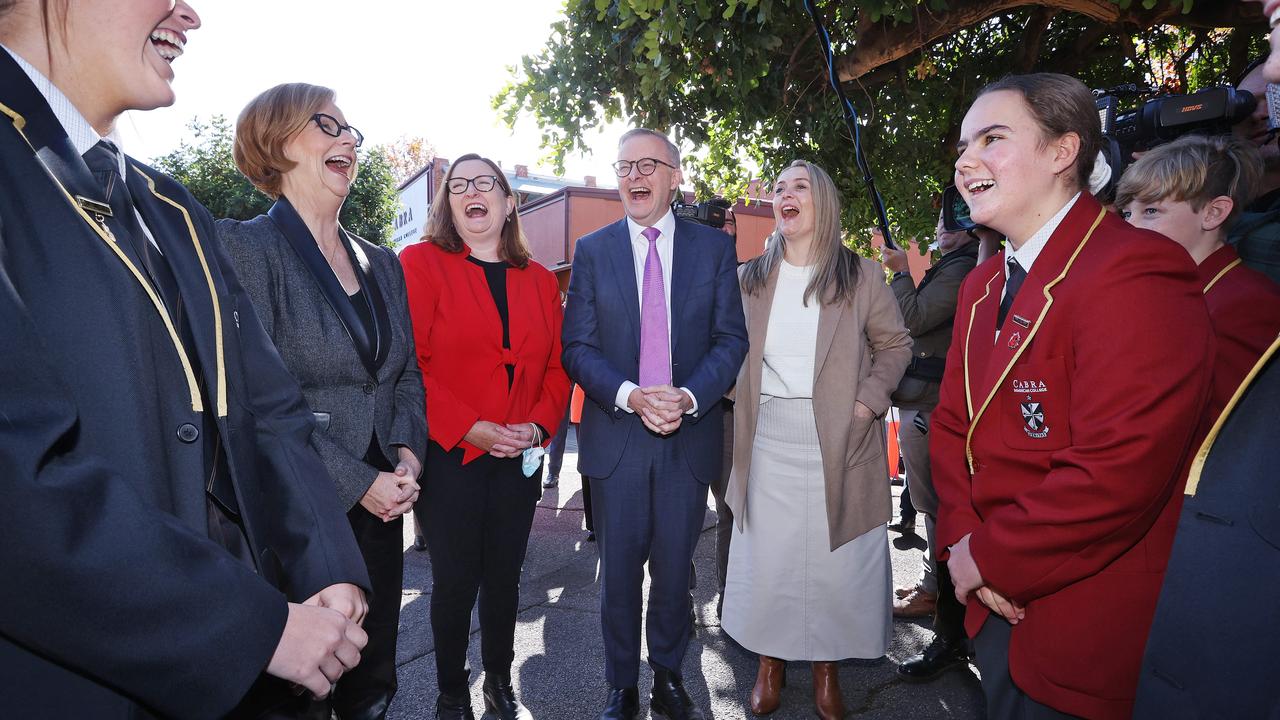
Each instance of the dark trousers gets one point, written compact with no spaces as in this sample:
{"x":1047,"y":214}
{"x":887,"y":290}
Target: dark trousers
{"x":365,"y":691}
{"x":1004,"y":700}
{"x":586,"y":504}
{"x":555,"y":451}
{"x":649,"y":510}
{"x":948,"y":617}
{"x":476,"y":520}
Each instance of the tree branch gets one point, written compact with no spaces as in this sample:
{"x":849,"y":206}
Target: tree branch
{"x":882,"y":42}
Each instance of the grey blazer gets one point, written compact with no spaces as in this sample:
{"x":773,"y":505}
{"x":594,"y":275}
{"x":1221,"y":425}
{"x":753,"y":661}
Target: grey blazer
{"x":349,"y":403}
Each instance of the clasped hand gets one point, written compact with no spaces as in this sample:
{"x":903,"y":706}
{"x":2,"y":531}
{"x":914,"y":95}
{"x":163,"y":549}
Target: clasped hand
{"x":661,"y":407}
{"x":968,"y":579}
{"x":504,"y":441}
{"x":322,"y":639}
{"x":392,"y":494}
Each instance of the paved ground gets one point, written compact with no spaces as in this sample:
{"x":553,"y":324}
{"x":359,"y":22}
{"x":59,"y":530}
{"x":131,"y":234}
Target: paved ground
{"x":559,"y":665}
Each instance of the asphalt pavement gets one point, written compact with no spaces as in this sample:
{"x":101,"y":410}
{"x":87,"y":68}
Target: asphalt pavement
{"x":559,"y":666}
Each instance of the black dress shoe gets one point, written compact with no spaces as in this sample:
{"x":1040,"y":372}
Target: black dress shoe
{"x":669,"y":699}
{"x":500,"y":698}
{"x":941,"y":656}
{"x":451,"y":707}
{"x":624,"y":704}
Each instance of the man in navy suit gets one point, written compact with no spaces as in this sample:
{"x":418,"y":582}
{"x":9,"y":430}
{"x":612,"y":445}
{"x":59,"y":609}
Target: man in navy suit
{"x":654,"y":334}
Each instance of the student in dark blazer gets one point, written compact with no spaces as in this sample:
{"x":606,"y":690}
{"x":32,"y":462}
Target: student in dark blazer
{"x":487,"y":323}
{"x":335,"y":306}
{"x":654,"y":334}
{"x":170,"y":536}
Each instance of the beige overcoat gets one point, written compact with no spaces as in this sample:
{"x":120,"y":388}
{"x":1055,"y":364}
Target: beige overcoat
{"x":862,"y":350}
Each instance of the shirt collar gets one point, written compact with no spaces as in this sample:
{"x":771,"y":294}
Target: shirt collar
{"x":1030,"y":250}
{"x":666,"y":224}
{"x":79,"y":131}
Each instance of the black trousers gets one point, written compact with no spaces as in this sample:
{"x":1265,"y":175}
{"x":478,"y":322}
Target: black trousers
{"x":1005,"y":700}
{"x":476,"y":520}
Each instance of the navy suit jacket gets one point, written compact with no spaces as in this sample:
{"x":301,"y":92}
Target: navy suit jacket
{"x":115,"y":602}
{"x":602,"y":341}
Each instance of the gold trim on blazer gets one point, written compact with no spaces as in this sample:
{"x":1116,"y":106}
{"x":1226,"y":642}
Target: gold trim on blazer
{"x":213,"y":292}
{"x":193,"y":387}
{"x":973,"y":313}
{"x":1031,"y":333}
{"x":1221,"y":272}
{"x":1202,"y":455}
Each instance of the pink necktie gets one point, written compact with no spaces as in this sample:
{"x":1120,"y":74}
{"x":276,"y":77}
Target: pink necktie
{"x":655,"y":346}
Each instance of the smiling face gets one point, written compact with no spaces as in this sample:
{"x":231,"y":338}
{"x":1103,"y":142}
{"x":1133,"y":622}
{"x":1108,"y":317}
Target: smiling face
{"x":1008,"y":172}
{"x":646,"y":198}
{"x":793,"y":204}
{"x":323,"y":163}
{"x":1271,"y":10}
{"x":116,"y":55}
{"x":479,"y":216}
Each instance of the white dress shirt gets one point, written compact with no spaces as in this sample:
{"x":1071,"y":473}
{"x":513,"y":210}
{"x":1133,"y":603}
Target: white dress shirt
{"x":639,"y":254}
{"x":1030,"y":250}
{"x":81,"y":134}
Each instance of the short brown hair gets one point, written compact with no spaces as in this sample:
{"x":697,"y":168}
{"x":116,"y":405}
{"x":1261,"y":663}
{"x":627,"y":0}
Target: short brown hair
{"x":1060,"y":104}
{"x":441,"y":230}
{"x":267,"y":124}
{"x":1194,"y":169}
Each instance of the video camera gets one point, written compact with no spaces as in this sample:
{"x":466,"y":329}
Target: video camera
{"x":708,"y":212}
{"x":1211,"y":111}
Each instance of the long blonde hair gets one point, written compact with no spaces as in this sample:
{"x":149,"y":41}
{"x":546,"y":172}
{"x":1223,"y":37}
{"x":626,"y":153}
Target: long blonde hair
{"x":835,"y":272}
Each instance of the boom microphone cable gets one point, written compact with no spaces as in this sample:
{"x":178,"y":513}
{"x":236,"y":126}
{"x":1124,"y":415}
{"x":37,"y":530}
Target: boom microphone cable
{"x":851,"y":118}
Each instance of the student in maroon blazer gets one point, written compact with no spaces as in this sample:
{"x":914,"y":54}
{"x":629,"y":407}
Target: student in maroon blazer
{"x":486,"y":321}
{"x":1191,"y":191}
{"x":1074,"y":386}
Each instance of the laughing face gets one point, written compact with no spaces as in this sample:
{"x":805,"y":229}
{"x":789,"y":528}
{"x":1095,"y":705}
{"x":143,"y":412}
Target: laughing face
{"x":478,"y":215}
{"x":117,"y":55}
{"x":1006,"y":171}
{"x":793,"y":204}
{"x":1271,"y":9}
{"x":322,"y":162}
{"x":646,"y":198}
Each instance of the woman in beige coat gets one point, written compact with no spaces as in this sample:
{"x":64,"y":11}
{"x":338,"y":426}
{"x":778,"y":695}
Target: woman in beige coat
{"x":809,"y":575}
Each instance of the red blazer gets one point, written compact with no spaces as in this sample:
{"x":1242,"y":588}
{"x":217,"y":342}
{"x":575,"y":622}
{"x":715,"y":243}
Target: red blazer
{"x":1060,"y":447}
{"x":1244,"y":306}
{"x":459,"y":342}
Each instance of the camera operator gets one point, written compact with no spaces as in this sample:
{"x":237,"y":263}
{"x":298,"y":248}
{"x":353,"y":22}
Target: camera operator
{"x":1256,"y":236}
{"x":928,"y":310}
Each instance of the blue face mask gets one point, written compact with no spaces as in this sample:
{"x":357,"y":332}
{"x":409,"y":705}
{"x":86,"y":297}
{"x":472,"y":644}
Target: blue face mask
{"x":531,"y":461}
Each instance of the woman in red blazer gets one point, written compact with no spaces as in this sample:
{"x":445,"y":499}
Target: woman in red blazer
{"x":486,"y":322}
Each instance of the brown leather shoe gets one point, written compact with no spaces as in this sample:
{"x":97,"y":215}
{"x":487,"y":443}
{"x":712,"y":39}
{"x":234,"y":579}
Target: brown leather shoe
{"x":903,"y":592}
{"x":917,"y":603}
{"x":827,"y":699}
{"x":766,"y":696}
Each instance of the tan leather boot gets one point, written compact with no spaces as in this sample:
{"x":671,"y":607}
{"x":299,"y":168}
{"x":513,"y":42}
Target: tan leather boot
{"x":766,"y":696}
{"x":826,"y":691}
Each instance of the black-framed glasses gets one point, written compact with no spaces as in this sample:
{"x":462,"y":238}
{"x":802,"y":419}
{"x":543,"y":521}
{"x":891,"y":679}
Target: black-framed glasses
{"x":483,"y":183}
{"x":646,"y":166}
{"x":331,"y":127}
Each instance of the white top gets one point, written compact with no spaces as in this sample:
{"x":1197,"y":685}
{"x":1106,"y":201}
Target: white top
{"x":81,"y":134}
{"x":791,"y":342}
{"x":1030,"y":250}
{"x":639,"y":254}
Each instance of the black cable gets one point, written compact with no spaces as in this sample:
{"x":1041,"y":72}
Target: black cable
{"x":851,"y":118}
